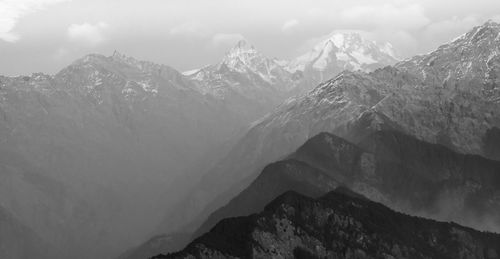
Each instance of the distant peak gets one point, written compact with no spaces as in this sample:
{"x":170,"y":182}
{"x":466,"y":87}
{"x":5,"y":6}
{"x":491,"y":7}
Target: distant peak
{"x":488,"y":30}
{"x":122,"y":58}
{"x":488,"y":25}
{"x":491,"y":23}
{"x":340,"y":39}
{"x":117,"y":54}
{"x":90,"y":58}
{"x":242,"y":46}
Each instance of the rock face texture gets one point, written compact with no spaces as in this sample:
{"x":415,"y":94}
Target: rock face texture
{"x":446,"y":97}
{"x":340,"y":224}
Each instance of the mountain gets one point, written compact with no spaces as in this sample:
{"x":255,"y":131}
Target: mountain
{"x":247,"y":81}
{"x":90,"y":154}
{"x":275,"y":179}
{"x":253,"y":84}
{"x":339,"y":224}
{"x":395,"y":169}
{"x":353,"y":105}
{"x":398,"y":170}
{"x":342,"y":51}
{"x":470,"y":63}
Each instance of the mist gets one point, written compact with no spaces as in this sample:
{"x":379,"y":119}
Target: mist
{"x":128,"y":128}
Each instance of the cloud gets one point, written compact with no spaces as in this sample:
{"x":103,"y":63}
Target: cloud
{"x":388,"y":16}
{"x":13,"y":10}
{"x":289,"y":25}
{"x":189,"y":29}
{"x":226,"y":39}
{"x":86,"y":33}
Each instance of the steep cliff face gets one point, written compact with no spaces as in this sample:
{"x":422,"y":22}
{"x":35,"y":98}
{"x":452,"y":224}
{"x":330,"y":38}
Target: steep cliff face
{"x":340,"y":224}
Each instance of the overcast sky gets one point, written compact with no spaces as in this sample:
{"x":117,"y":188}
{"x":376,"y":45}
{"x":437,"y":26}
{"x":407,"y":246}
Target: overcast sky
{"x":46,"y":35}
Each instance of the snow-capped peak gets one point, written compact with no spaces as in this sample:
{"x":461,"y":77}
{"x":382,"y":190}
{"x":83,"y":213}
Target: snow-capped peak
{"x":242,"y":47}
{"x":241,"y":56}
{"x":347,"y":49}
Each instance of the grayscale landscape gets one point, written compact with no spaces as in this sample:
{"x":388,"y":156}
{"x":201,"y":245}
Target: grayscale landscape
{"x":249,"y":129}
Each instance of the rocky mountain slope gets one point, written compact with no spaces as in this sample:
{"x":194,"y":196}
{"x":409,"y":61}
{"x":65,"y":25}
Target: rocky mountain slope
{"x":248,"y":82}
{"x":115,"y":131}
{"x":388,"y":167}
{"x":398,"y":170}
{"x":251,"y":85}
{"x":340,"y":224}
{"x":354,"y":104}
{"x":254,"y":84}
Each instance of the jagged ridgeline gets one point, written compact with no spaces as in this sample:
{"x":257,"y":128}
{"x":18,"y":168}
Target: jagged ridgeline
{"x":106,"y":146}
{"x":449,"y":96}
{"x":109,"y":152}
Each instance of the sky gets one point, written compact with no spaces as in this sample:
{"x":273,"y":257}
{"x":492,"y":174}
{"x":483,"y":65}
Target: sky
{"x":47,"y":35}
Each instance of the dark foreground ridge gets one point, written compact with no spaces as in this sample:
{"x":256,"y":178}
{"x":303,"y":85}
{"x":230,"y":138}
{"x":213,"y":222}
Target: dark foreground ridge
{"x":395,"y":169}
{"x":340,"y":224}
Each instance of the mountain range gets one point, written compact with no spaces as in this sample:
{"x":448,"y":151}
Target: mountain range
{"x":444,"y":103}
{"x":89,"y":154}
{"x":254,"y":84}
{"x":395,"y":169}
{"x":83,"y":140}
{"x":341,"y":51}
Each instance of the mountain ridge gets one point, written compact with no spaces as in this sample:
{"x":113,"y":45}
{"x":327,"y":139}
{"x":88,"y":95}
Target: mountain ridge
{"x":455,"y":117}
{"x":337,"y":224}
